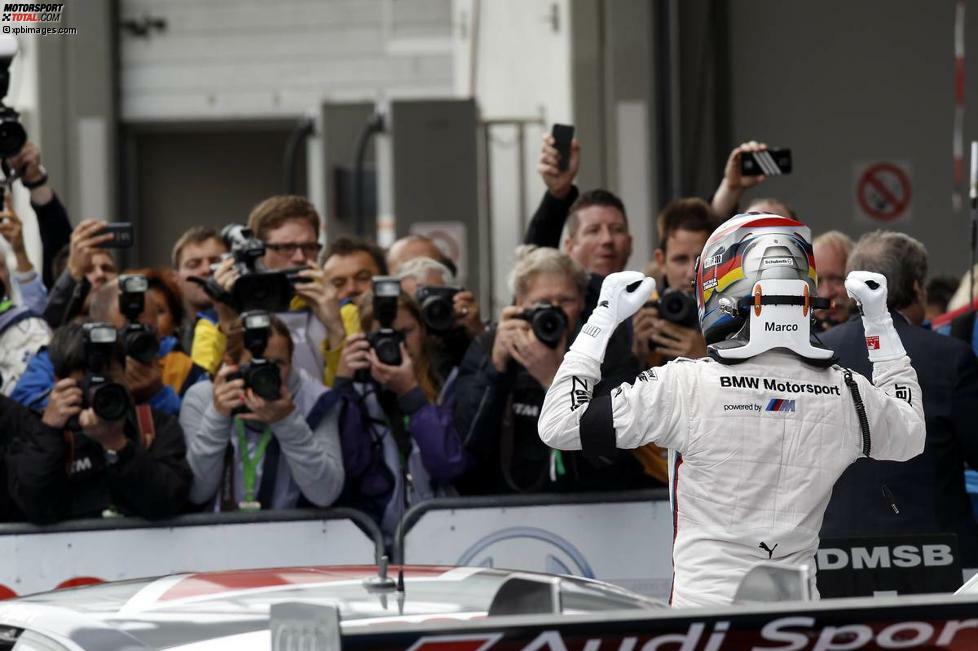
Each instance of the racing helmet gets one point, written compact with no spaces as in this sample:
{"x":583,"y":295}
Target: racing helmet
{"x":755,"y":289}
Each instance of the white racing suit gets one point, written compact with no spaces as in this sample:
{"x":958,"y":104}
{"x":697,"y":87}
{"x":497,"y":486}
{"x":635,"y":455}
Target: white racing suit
{"x":760,"y":445}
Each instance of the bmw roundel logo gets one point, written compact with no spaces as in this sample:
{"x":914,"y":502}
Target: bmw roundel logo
{"x":527,"y":548}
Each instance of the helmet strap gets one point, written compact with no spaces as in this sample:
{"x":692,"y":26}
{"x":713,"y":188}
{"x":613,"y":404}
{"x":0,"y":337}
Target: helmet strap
{"x":779,"y":317}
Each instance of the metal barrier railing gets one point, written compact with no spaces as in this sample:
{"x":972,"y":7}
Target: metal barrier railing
{"x":77,"y":552}
{"x":589,"y":534}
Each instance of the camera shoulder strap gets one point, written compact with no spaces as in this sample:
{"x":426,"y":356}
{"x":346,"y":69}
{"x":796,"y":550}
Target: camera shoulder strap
{"x":69,"y":437}
{"x":147,"y":428}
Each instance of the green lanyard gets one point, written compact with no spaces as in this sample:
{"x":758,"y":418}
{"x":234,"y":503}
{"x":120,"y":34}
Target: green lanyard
{"x":250,"y":463}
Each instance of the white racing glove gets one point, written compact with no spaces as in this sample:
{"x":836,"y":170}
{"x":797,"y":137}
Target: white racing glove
{"x":622,"y":294}
{"x":868,"y":289}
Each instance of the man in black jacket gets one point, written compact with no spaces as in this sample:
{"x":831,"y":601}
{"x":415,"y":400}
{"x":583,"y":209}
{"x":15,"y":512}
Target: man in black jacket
{"x":928,"y":490}
{"x":597,"y":234}
{"x":502,"y":382}
{"x":14,"y":419}
{"x":52,"y":218}
{"x":134,"y":465}
{"x":597,"y":227}
{"x":89,"y":267}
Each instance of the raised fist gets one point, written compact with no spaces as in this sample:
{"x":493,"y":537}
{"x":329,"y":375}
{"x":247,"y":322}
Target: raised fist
{"x":624,"y":292}
{"x":869,"y":291}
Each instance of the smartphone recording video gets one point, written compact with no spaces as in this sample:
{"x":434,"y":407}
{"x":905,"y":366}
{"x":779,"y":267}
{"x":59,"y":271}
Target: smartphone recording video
{"x":770,"y":162}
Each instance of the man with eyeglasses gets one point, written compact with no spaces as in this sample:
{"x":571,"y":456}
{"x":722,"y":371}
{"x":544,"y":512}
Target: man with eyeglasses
{"x":289,"y":226}
{"x":832,"y":251}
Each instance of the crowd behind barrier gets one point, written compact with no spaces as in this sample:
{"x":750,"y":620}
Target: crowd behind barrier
{"x":263,"y":372}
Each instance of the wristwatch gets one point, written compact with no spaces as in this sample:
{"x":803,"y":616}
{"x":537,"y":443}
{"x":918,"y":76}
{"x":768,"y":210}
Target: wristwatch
{"x":30,"y":185}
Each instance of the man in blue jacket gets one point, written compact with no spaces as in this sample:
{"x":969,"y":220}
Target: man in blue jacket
{"x":928,"y":491}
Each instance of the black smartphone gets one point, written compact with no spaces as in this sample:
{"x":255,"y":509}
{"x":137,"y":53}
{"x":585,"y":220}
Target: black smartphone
{"x":770,"y":162}
{"x":122,"y":236}
{"x":563,"y":134}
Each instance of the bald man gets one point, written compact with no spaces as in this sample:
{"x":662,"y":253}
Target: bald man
{"x":415,"y":246}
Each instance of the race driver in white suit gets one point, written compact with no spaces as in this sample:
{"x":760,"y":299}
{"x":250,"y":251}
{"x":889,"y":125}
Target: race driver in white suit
{"x":763,"y":427}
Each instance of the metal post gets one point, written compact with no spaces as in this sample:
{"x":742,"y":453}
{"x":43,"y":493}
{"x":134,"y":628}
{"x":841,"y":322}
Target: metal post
{"x":521,"y":170}
{"x":487,"y":125}
{"x":486,"y":285}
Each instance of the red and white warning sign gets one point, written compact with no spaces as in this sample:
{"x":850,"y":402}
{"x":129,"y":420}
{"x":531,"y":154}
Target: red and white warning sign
{"x":883,"y":191}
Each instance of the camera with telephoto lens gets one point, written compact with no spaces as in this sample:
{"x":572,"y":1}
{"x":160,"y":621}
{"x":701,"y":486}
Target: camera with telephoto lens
{"x":386,"y":341}
{"x":257,"y":288}
{"x":547,"y":321}
{"x":437,"y":306}
{"x":677,"y":307}
{"x":260,"y":375}
{"x":12,"y":134}
{"x":139,"y":341}
{"x":109,"y":400}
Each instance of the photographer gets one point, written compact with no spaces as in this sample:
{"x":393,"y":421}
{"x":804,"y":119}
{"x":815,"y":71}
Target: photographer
{"x":193,"y":254}
{"x":504,"y":377}
{"x":273,"y":451}
{"x":400,"y":445}
{"x":410,"y":247}
{"x":734,"y":184}
{"x":597,"y":237}
{"x":287,"y":230}
{"x":167,"y":302}
{"x":89,"y":267}
{"x":597,"y":227}
{"x":158,"y":375}
{"x":22,"y":331}
{"x":668,"y":328}
{"x":33,"y":294}
{"x":96,"y":452}
{"x":348,"y":267}
{"x":52,"y":218}
{"x":14,"y":419}
{"x":451,"y":314}
{"x":684,"y":226}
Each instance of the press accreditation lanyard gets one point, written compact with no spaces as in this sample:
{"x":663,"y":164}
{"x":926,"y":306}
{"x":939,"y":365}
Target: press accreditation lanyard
{"x":249,"y":463}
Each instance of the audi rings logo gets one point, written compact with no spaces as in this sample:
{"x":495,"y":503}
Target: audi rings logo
{"x":543,"y":550}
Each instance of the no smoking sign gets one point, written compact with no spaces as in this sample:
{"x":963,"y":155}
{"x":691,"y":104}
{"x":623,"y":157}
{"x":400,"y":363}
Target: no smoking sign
{"x":883,"y":191}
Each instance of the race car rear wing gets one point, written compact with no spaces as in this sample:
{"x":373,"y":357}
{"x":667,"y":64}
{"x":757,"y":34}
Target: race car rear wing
{"x":909,"y":622}
{"x":787,"y":620}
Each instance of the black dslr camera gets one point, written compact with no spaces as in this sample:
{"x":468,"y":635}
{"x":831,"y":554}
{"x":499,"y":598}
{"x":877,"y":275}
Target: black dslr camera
{"x":547,"y":321}
{"x":677,"y":307}
{"x":109,"y":400}
{"x":386,"y":341}
{"x":437,"y":307}
{"x":255,"y":288}
{"x":139,"y":341}
{"x":259,"y":375}
{"x":12,"y":134}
